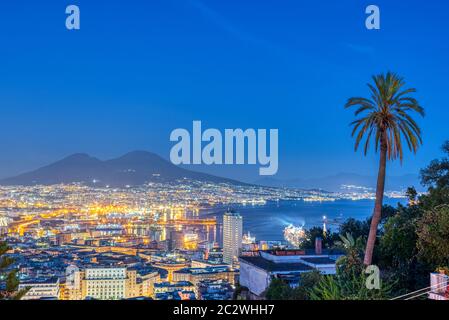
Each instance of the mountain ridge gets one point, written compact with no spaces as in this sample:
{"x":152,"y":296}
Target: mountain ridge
{"x":133,"y":169}
{"x":334,"y":182}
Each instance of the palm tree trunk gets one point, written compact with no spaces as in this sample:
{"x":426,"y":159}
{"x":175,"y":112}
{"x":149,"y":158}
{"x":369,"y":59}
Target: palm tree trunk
{"x":378,"y":205}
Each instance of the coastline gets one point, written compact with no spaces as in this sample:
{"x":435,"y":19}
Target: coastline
{"x":268,"y":221}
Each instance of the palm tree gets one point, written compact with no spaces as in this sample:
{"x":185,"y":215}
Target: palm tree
{"x":386,"y":120}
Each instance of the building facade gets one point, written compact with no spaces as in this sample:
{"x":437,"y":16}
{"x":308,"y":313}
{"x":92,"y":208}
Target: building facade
{"x":46,"y":288}
{"x":257,"y":272}
{"x":196,"y":275}
{"x":108,"y":283}
{"x":232,"y":237}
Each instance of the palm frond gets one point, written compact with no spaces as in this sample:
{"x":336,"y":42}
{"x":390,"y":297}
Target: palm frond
{"x":386,"y":117}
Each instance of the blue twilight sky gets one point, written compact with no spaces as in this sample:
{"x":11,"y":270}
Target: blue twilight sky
{"x":139,"y":69}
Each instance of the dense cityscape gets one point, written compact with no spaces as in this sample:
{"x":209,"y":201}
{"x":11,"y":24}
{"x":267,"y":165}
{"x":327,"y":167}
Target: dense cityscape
{"x":223,"y":158}
{"x":154,"y":241}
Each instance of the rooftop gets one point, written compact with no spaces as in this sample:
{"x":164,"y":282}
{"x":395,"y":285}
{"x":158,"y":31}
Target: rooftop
{"x":174,"y":285}
{"x":319,"y":260}
{"x":268,"y":265}
{"x":232,"y":214}
{"x":305,"y":252}
{"x":49,"y":280}
{"x":207,"y":270}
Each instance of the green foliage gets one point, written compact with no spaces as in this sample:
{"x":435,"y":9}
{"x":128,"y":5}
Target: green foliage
{"x":386,"y":116}
{"x":3,"y":248}
{"x":414,"y":241}
{"x":433,"y":236}
{"x":435,"y":197}
{"x":352,"y":262}
{"x":398,"y":242}
{"x":436,"y":177}
{"x":397,"y":254}
{"x":385,"y":119}
{"x":355,"y":227}
{"x":328,"y":238}
{"x":436,"y":174}
{"x":387,"y":212}
{"x":327,"y":289}
{"x":360,"y":228}
{"x":349,"y":283}
{"x":411,"y":194}
{"x":12,"y":282}
{"x":306,"y":283}
{"x":336,"y":288}
{"x":280,"y":290}
{"x":5,"y":262}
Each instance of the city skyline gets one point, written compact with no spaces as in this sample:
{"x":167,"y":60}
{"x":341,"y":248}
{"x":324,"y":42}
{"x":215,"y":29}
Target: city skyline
{"x":236,"y":153}
{"x":120,"y":83}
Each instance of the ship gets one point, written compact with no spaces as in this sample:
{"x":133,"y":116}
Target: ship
{"x":247,"y":239}
{"x":294,"y":235}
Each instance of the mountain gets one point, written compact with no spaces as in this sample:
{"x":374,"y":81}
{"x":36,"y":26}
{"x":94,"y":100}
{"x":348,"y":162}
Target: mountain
{"x":134,"y":168}
{"x":334,"y":183}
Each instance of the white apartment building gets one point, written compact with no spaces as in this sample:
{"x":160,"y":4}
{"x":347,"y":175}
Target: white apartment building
{"x":257,"y":271}
{"x":105,"y":283}
{"x":108,"y":283}
{"x":47,"y":288}
{"x":232,"y":237}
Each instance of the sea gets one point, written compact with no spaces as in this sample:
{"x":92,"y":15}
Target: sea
{"x":267,"y":222}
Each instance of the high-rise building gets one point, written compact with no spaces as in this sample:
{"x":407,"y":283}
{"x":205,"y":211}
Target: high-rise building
{"x":232,"y":236}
